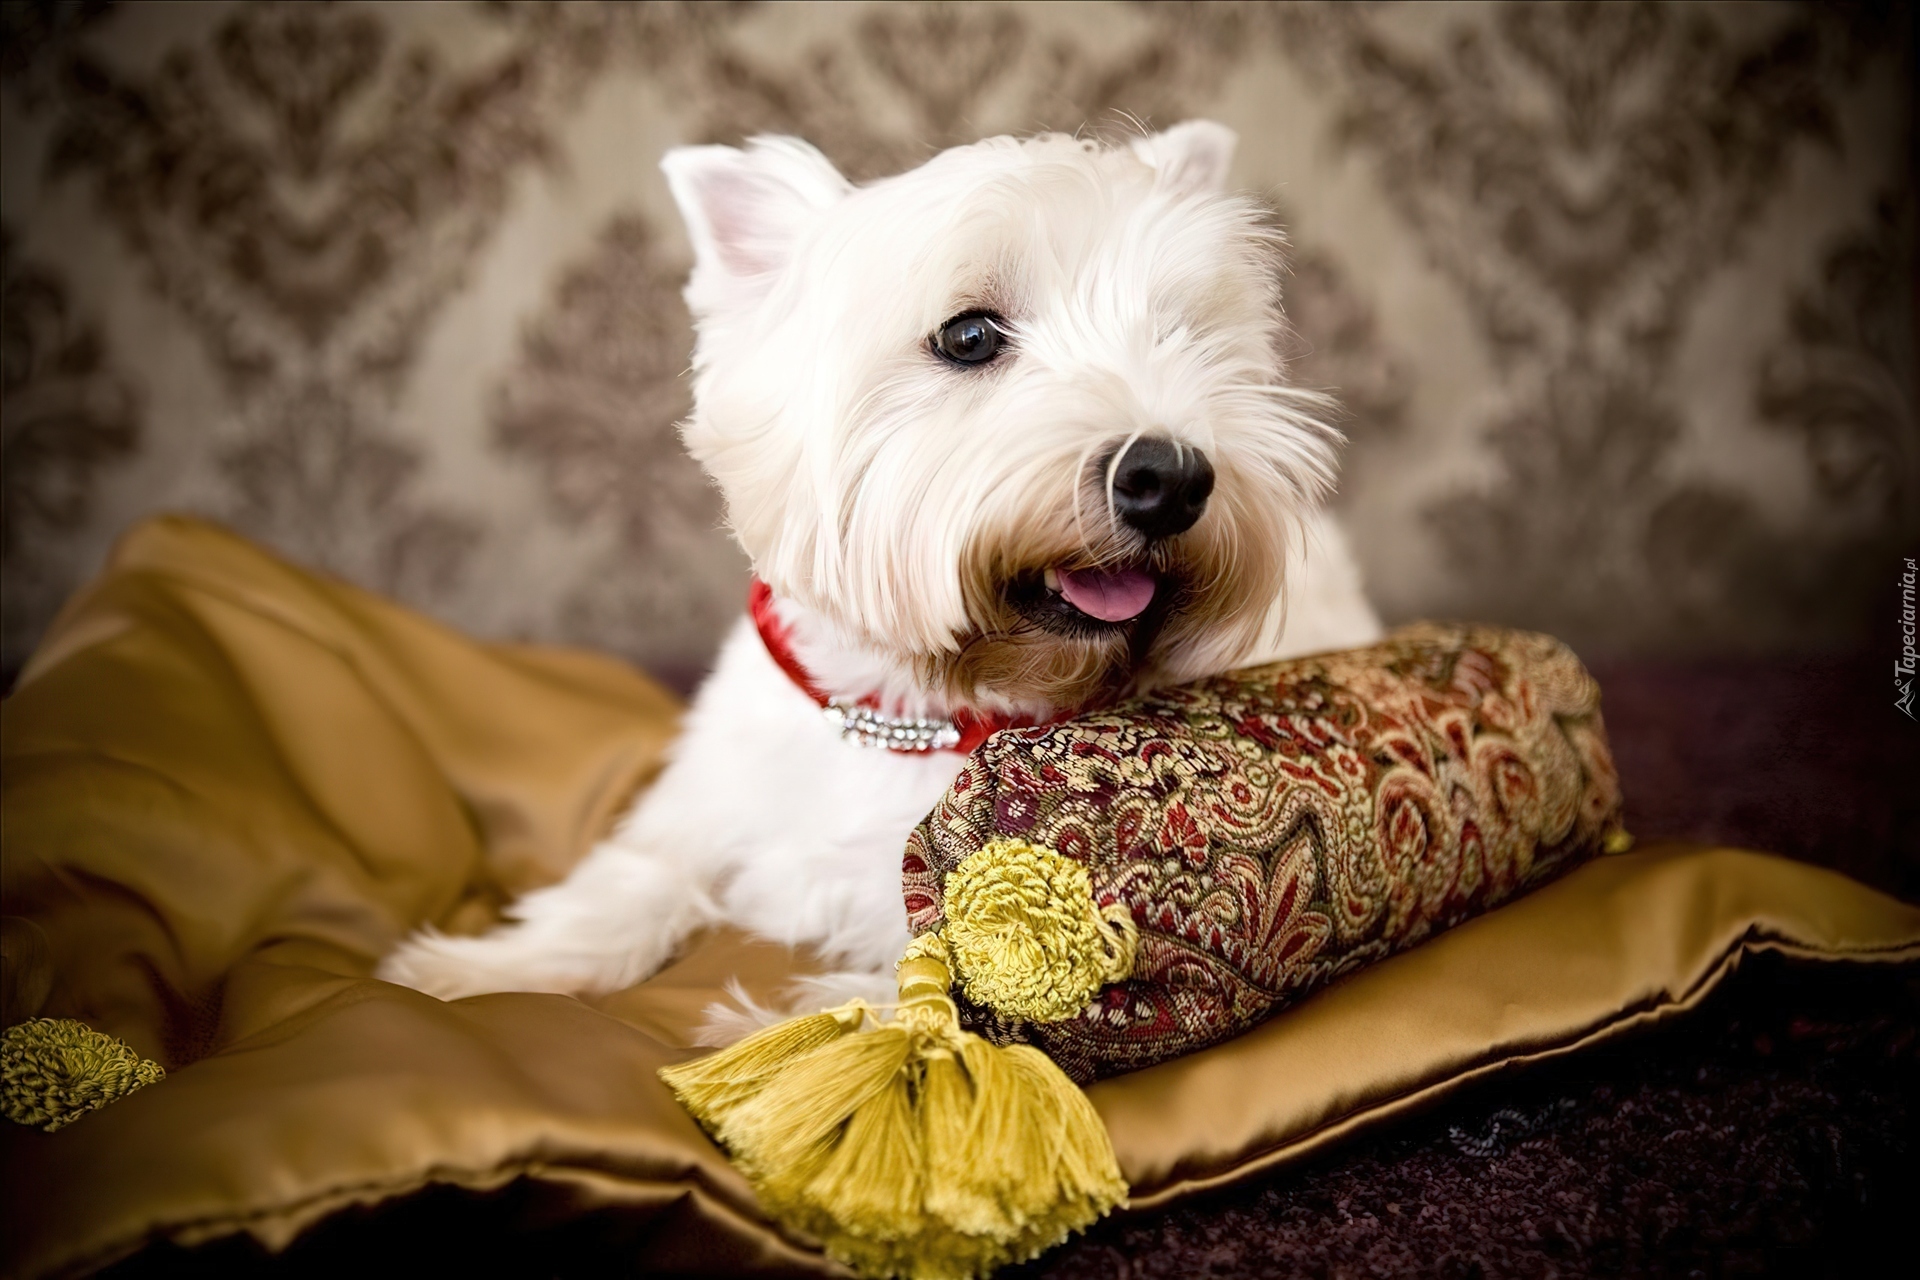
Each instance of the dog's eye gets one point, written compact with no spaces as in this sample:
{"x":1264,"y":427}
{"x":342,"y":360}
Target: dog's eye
{"x":970,"y":339}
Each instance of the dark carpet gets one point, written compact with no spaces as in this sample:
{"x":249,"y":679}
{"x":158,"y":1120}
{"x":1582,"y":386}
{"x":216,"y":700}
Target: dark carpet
{"x":1769,"y":1134}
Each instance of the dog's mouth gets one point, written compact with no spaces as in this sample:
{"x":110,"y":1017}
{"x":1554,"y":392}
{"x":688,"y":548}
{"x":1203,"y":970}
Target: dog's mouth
{"x":1095,"y":601}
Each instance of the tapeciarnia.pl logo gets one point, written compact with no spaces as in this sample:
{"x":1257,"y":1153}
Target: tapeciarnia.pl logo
{"x":1903,"y":666}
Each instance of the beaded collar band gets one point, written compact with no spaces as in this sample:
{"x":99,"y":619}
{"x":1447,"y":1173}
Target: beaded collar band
{"x":860,"y":721}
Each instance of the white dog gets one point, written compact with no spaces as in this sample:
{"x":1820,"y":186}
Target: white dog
{"x":1004,"y":437}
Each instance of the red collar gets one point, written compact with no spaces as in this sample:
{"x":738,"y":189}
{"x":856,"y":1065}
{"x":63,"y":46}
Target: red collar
{"x":974,"y":727}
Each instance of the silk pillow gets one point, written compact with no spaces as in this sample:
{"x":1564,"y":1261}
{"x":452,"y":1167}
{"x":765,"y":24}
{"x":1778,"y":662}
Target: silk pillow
{"x":1264,"y":832}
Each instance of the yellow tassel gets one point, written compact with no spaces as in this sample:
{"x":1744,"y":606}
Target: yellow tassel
{"x":783,"y":1135}
{"x":960,"y":1098}
{"x":1028,"y":939}
{"x":1063,"y":1123}
{"x":55,"y":1070}
{"x":871,"y":1184}
{"x":909,"y":1147}
{"x":726,"y":1080}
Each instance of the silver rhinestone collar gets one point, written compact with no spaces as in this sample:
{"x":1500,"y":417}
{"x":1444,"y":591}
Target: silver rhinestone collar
{"x":865,"y":727}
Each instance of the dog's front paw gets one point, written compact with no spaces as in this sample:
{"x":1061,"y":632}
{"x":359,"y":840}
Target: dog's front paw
{"x":450,"y":967}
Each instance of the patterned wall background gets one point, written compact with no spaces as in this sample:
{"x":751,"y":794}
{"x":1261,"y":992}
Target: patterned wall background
{"x":1619,"y":297}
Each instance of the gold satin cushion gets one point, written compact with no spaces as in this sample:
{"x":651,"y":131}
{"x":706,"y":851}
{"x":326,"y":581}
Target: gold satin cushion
{"x":231,"y":785}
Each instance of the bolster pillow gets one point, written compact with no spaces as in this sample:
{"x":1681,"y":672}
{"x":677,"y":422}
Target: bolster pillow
{"x":1251,"y":837}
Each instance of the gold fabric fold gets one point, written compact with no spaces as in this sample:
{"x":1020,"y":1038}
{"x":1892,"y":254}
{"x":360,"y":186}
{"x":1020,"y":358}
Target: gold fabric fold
{"x":231,"y":785}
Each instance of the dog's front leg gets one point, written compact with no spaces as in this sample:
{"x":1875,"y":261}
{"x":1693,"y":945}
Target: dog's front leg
{"x":764,"y":819}
{"x":635,"y":896}
{"x":615,"y":920}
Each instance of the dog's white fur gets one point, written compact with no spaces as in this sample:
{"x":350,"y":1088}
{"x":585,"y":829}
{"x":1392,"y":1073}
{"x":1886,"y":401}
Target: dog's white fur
{"x":888,"y":498}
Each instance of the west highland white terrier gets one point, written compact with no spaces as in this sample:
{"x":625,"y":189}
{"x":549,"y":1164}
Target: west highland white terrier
{"x":1004,"y":437}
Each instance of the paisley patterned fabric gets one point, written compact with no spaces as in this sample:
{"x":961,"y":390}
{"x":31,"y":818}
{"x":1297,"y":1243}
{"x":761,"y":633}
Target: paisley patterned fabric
{"x":1272,"y":829}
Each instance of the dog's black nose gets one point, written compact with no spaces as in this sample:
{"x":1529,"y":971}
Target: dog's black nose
{"x":1161,"y":488}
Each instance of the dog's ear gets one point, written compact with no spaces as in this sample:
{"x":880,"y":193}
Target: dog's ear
{"x":1191,"y":157}
{"x":744,"y":210}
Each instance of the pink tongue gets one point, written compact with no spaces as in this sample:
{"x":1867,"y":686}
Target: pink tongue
{"x":1109,"y":596}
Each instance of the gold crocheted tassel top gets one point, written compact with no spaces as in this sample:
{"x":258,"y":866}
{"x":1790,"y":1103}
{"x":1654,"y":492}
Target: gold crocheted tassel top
{"x":1026,"y":938}
{"x":908,"y":1146}
{"x":55,"y":1070}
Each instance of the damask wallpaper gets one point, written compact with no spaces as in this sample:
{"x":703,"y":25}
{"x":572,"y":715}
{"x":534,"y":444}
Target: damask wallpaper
{"x":1618,"y":297}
